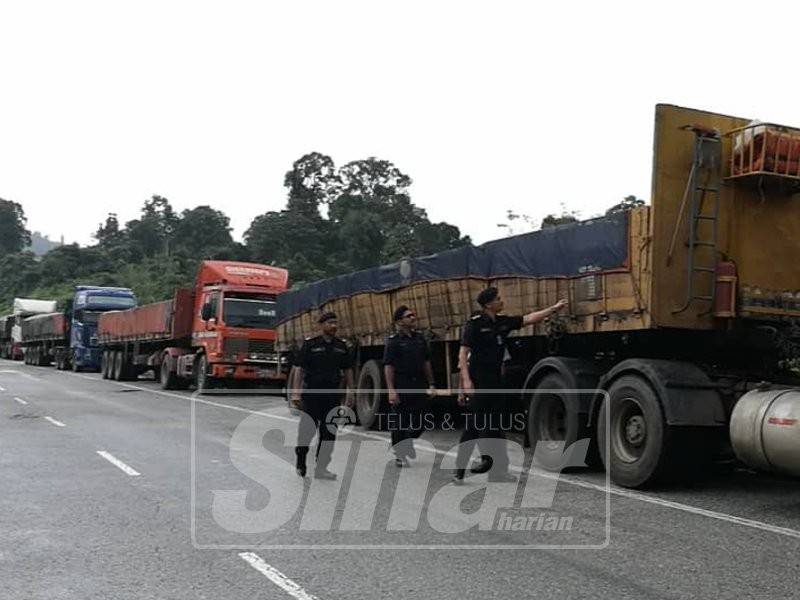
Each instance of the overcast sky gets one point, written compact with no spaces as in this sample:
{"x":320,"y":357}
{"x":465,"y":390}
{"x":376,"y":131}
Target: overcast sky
{"x":487,"y":106}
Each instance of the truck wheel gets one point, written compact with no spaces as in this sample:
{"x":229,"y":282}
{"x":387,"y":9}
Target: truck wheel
{"x":369,"y":396}
{"x":104,"y":364}
{"x":116,"y":373}
{"x":554,"y":416}
{"x":639,"y":437}
{"x":167,"y":377}
{"x":203,"y":382}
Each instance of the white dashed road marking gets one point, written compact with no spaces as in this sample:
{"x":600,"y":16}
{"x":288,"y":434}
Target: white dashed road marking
{"x":20,"y":400}
{"x":118,"y":463}
{"x":54,"y":422}
{"x":282,"y":581}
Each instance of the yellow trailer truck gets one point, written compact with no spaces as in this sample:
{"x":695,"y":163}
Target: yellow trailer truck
{"x":686,"y":312}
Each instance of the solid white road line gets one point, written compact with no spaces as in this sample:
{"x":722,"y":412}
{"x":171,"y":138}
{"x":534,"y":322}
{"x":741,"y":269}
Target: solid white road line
{"x":568,"y":479}
{"x":2,"y":389}
{"x":20,"y":400}
{"x":118,"y":463}
{"x":282,"y":581}
{"x":54,"y":422}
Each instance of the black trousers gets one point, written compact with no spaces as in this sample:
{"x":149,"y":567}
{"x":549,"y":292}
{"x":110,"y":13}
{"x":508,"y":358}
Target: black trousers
{"x":483,"y":423}
{"x":406,"y":424}
{"x":317,"y":406}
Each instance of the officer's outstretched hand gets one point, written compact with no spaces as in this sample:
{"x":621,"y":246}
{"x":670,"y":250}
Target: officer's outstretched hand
{"x":431,"y":392}
{"x":297,"y":401}
{"x":394,"y":398}
{"x":462,"y":399}
{"x":349,"y":401}
{"x":560,"y":304}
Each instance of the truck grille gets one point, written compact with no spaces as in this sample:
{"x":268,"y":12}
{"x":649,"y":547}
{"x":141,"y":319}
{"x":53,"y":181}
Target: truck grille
{"x":234,"y":345}
{"x":261,"y":347}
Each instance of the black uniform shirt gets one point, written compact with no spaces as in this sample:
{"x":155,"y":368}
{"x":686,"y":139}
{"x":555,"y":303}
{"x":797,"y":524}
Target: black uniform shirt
{"x":486,"y":339}
{"x":407,"y":354}
{"x":322,"y":361}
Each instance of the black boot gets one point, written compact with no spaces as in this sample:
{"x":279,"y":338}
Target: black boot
{"x":481,"y":466}
{"x":300,"y":465}
{"x":458,"y":477}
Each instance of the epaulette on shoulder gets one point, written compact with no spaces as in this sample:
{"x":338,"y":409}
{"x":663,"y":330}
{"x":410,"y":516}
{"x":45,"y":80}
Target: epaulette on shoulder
{"x":392,"y":336}
{"x":475,"y":316}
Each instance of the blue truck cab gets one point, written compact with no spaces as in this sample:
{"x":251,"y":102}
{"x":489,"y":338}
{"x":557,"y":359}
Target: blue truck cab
{"x":87,"y":305}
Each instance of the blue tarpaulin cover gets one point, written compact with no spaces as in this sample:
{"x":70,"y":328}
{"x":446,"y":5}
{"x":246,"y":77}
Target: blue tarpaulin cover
{"x":564,"y":251}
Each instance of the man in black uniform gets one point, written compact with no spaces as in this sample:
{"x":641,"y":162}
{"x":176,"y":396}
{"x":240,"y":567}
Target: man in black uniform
{"x":407,"y":367}
{"x":480,"y":360}
{"x":322,"y":361}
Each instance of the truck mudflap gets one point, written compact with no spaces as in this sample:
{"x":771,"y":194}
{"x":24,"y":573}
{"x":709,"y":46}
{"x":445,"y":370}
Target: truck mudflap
{"x":688,"y":397}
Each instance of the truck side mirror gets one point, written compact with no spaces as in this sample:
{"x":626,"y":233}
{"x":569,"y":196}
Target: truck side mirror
{"x":205,"y":312}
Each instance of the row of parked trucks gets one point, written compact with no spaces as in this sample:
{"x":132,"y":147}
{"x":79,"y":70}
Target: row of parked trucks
{"x":222,"y":330}
{"x":684,"y":313}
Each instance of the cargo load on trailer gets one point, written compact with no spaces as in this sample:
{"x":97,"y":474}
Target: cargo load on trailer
{"x":678,"y":311}
{"x":220,"y":332}
{"x":11,"y":344}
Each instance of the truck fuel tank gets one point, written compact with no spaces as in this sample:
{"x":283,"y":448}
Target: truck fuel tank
{"x":765,"y":430}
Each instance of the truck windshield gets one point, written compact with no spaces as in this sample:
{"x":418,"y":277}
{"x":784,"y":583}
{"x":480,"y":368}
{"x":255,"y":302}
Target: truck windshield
{"x":257,"y":312}
{"x":87,"y":317}
{"x":110,"y":302}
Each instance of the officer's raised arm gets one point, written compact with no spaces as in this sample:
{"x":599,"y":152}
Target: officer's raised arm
{"x":540,"y":315}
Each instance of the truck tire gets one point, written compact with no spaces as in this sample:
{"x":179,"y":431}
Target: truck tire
{"x":644,"y":448}
{"x":639,"y":441}
{"x":556,"y":416}
{"x":104,"y":364}
{"x":167,"y":377}
{"x":116,"y":372}
{"x":202,"y":381}
{"x":370,"y":399}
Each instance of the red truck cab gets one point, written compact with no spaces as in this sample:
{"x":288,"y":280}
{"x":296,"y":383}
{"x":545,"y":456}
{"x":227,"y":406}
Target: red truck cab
{"x":234,"y":319}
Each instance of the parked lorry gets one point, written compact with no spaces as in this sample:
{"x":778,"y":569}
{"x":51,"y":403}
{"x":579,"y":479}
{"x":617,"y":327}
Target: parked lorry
{"x":220,"y":331}
{"x":11,"y":334}
{"x":69,"y":338}
{"x":686,"y":312}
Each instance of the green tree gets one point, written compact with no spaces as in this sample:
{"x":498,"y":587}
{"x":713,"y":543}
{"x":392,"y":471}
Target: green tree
{"x":202,"y":232}
{"x":14,"y":236}
{"x":152,"y":234}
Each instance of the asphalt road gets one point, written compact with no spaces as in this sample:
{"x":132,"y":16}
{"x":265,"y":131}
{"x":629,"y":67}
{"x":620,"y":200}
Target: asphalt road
{"x":120,"y":490}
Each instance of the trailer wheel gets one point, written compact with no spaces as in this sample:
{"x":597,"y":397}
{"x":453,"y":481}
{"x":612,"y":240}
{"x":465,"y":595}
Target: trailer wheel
{"x":370,"y":398}
{"x":639,"y":440}
{"x":554,"y":416}
{"x":168,"y":378}
{"x":116,"y":368}
{"x":104,"y":360}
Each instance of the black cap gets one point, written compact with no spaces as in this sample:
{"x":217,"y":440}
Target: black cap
{"x":400,"y":311}
{"x":487,"y":296}
{"x":326,"y":316}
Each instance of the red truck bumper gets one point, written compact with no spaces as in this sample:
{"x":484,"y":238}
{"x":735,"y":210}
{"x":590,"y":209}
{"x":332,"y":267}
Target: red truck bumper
{"x":247,"y":372}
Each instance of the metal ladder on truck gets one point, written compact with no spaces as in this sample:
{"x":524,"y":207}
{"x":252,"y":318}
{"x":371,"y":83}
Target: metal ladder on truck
{"x":705,"y":179}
